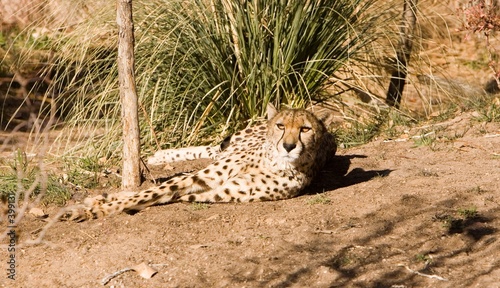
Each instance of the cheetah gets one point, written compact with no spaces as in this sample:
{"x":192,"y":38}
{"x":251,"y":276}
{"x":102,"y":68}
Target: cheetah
{"x":271,"y":161}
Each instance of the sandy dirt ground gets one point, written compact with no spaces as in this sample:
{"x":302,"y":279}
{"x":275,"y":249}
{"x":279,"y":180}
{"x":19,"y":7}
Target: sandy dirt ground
{"x":396,"y":213}
{"x":389,"y":213}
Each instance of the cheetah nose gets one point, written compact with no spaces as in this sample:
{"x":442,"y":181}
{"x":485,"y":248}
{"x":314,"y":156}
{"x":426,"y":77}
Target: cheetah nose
{"x":289,"y":147}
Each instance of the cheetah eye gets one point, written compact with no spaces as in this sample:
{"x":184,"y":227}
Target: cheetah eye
{"x":305,"y":129}
{"x":280,"y":126}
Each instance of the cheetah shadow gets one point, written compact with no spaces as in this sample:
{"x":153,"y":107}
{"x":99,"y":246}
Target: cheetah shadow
{"x":337,"y":174}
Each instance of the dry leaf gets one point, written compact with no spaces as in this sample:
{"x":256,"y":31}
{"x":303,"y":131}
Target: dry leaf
{"x":144,"y":270}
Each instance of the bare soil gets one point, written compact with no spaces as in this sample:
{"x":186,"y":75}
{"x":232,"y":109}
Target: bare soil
{"x":391,"y":213}
{"x":386,"y":214}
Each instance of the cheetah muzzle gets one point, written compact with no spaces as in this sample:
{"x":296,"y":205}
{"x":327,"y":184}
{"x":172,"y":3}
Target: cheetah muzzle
{"x":271,"y":161}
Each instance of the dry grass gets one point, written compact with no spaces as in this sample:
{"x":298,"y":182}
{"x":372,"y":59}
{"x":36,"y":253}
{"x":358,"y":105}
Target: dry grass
{"x":447,"y":74}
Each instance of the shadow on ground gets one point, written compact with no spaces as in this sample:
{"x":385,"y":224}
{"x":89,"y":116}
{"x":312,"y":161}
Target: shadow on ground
{"x":375,"y":253}
{"x":336,"y":175}
{"x":440,"y":242}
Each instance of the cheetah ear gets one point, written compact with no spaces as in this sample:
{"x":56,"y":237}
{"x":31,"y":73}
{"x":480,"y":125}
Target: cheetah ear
{"x":326,"y":116}
{"x":271,"y":111}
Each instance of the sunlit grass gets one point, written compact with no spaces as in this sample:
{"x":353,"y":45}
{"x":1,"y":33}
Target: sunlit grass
{"x":204,"y":68}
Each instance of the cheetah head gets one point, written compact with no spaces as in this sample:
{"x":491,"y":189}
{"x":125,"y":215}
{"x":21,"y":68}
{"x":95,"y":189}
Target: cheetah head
{"x":294,"y":136}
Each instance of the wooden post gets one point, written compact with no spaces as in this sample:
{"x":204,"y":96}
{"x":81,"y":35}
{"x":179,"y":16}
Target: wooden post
{"x":398,"y":77}
{"x":128,"y":95}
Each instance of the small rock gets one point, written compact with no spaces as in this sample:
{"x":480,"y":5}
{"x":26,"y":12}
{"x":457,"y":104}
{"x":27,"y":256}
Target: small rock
{"x":37,"y":212}
{"x":213,"y":217}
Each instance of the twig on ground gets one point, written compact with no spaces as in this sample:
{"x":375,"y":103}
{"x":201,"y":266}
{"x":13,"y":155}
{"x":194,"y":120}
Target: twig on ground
{"x":422,"y":136}
{"x":324,"y":231}
{"x":108,"y":278}
{"x":491,"y":135}
{"x":446,"y":123}
{"x":87,"y":234}
{"x":144,"y":270}
{"x":422,"y":274}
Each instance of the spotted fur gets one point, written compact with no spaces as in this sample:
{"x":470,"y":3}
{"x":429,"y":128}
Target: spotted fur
{"x":271,"y":161}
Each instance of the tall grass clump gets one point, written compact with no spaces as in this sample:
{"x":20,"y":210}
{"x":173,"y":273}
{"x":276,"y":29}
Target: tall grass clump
{"x":205,"y":65}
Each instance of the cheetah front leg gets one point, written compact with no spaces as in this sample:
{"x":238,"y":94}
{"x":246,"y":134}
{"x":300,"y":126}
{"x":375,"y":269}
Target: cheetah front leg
{"x":248,"y":188}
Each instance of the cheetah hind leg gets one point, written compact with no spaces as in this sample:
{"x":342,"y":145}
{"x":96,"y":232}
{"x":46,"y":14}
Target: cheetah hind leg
{"x":182,"y":154}
{"x":167,"y":192}
{"x":186,"y":188}
{"x":92,"y":207}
